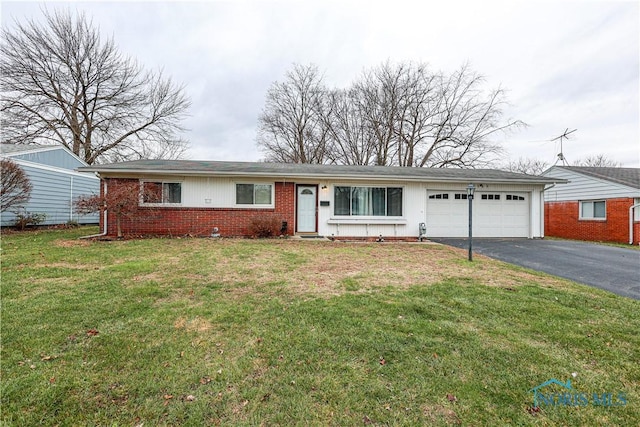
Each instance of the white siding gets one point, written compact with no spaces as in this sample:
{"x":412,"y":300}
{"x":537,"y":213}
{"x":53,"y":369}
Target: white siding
{"x":415,"y":211}
{"x":582,"y":187}
{"x":208,"y":192}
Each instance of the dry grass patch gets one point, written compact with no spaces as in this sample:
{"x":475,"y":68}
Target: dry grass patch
{"x":329,"y":269}
{"x":76,"y":243}
{"x":197,"y":324}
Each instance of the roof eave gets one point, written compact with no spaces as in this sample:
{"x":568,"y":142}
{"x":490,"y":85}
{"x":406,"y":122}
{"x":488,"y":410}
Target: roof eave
{"x":105,"y":172}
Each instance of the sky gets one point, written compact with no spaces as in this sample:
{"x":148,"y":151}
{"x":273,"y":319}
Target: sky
{"x":564,"y":64}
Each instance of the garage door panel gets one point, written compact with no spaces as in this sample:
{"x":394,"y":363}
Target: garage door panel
{"x":495,"y":214}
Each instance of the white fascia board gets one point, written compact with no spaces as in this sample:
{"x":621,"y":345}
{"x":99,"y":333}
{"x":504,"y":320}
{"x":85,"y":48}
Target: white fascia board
{"x":123,"y":173}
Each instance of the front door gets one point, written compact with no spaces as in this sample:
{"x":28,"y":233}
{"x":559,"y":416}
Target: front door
{"x":306,"y":214}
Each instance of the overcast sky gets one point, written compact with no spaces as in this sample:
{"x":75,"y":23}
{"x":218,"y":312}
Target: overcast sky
{"x":565,"y":64}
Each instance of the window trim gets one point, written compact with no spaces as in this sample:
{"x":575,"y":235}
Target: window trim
{"x":162,"y":182}
{"x":592,"y":218}
{"x":254,"y":205}
{"x":360,"y":218}
{"x":494,"y":197}
{"x":439,"y":196}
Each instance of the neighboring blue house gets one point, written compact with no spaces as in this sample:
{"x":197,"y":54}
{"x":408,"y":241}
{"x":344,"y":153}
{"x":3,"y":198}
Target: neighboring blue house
{"x":56,"y":184}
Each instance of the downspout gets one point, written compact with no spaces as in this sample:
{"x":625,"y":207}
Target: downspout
{"x":71,"y":200}
{"x":542,"y":211}
{"x":104,"y":219}
{"x":637,"y":205}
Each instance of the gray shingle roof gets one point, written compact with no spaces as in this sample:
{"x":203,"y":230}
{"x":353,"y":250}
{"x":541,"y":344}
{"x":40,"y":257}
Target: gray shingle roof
{"x":625,"y":176}
{"x":297,"y":170}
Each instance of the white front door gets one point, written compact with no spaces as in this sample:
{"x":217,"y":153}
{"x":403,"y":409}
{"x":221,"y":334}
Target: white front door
{"x":306,"y":214}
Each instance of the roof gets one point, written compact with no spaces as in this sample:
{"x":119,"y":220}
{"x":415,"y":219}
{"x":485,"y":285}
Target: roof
{"x":298,"y":170}
{"x":12,"y":149}
{"x":625,"y":176}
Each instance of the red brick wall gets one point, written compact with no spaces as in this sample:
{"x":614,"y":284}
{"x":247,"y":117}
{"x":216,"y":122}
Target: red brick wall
{"x":561,"y":219}
{"x":181,"y":221}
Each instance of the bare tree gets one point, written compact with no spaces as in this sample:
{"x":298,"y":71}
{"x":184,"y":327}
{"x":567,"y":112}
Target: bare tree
{"x":460,"y":135}
{"x":394,"y":114}
{"x":527,"y":166}
{"x":598,"y":160}
{"x":15,"y":189}
{"x":379,"y":100}
{"x":350,"y":138}
{"x":62,"y":83}
{"x":291,"y":127}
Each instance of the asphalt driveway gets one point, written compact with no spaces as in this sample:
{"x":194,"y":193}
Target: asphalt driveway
{"x":610,"y":268}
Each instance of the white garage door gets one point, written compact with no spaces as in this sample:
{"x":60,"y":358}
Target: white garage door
{"x":495,"y":214}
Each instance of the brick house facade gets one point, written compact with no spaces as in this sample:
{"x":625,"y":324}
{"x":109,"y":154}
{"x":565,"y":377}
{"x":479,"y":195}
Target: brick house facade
{"x":562,"y":220}
{"x":190,"y":221}
{"x":616,"y":190}
{"x":203,"y":198}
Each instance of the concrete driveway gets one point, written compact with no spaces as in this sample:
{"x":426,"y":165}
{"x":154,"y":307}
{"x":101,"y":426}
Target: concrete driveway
{"x":606,"y":267}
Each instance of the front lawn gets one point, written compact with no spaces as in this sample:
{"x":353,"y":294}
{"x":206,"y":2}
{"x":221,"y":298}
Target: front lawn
{"x":282,"y":332}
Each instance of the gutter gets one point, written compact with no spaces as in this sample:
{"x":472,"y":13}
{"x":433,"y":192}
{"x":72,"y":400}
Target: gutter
{"x":104,"y":220}
{"x":631,"y":209}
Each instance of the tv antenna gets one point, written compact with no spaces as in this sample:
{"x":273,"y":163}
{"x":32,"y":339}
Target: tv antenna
{"x":565,"y":135}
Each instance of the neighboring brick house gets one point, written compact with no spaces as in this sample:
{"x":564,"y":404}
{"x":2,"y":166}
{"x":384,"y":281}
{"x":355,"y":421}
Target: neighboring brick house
{"x":597,"y":204}
{"x":202,"y":198}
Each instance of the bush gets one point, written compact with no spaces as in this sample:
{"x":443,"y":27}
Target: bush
{"x":25,"y":219}
{"x":265,"y":226}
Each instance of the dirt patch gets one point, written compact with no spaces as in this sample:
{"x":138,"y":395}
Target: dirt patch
{"x":196,"y":324}
{"x":436,"y":414}
{"x":71,"y":243}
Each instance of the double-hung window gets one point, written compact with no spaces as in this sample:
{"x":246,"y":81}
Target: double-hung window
{"x":367,"y":201}
{"x":593,"y":209}
{"x":254,"y":194}
{"x":161,"y":193}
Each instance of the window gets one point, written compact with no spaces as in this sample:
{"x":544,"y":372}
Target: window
{"x":368,"y":201}
{"x":593,"y":210}
{"x":439,"y":196}
{"x":490,"y":197}
{"x":158,"y":192}
{"x":461,"y":196}
{"x":253,"y":194}
{"x":514,"y":197}
{"x":636,"y":211}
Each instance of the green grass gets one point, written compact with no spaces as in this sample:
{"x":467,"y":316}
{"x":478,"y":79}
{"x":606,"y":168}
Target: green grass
{"x":251,"y":332}
{"x":614,"y":244}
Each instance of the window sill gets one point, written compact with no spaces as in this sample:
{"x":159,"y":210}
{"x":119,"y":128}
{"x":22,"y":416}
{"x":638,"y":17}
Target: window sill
{"x":367,"y":221}
{"x":593,"y":219}
{"x":248,"y":206}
